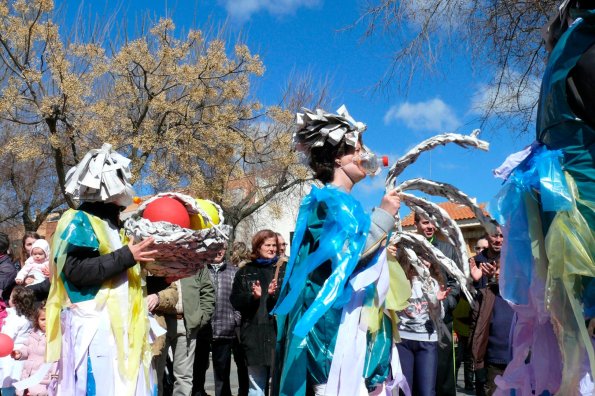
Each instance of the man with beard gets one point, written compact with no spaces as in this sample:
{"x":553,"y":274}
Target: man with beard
{"x":445,"y":378}
{"x":483,"y":265}
{"x":492,"y":319}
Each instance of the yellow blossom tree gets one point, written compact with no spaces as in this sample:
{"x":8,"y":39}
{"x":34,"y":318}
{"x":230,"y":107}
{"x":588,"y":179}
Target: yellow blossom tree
{"x":179,"y":108}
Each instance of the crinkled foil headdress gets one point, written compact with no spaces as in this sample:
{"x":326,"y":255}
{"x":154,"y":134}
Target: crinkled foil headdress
{"x":318,"y":127}
{"x":102,"y":175}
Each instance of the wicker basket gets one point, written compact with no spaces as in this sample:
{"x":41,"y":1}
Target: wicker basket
{"x":181,"y":252}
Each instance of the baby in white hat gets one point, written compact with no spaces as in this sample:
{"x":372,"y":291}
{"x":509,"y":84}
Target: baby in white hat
{"x":37,"y":265}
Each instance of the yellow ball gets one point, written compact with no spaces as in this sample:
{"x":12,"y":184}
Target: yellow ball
{"x":197,"y":222}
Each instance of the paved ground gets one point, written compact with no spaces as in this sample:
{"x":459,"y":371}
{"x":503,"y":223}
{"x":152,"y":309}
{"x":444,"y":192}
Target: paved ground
{"x":210,"y":385}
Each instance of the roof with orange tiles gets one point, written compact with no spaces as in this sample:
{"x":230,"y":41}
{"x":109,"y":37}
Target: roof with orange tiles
{"x":456,"y":211}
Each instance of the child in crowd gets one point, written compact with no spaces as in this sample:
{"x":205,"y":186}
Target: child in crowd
{"x":37,"y":265}
{"x":16,"y":325}
{"x":33,"y":352}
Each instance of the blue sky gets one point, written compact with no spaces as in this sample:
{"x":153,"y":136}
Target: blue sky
{"x":309,"y":36}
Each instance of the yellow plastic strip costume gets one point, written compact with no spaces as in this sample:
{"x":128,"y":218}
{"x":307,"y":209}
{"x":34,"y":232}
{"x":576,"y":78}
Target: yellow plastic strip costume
{"x":138,"y":325}
{"x":570,"y":245}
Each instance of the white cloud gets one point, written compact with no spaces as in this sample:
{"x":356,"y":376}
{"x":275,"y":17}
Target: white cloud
{"x":243,"y":9}
{"x":373,"y":185}
{"x":432,"y":115}
{"x":516,"y":92}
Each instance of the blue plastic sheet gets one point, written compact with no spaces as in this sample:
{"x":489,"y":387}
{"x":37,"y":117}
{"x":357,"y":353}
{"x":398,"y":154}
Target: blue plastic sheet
{"x":340,"y":236}
{"x":541,"y":178}
{"x":342,"y":241}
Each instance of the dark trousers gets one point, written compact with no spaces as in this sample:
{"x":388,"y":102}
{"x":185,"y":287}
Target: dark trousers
{"x":221,"y":351}
{"x":419,"y":363}
{"x":240,"y":359}
{"x":446,"y":384}
{"x":484,"y":378}
{"x":464,"y":357}
{"x":201,"y":360}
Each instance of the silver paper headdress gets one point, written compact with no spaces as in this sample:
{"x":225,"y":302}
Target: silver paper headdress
{"x":103,"y":175}
{"x":318,"y":127}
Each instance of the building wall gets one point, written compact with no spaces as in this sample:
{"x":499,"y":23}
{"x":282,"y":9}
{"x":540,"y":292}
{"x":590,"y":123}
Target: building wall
{"x":279,"y":215}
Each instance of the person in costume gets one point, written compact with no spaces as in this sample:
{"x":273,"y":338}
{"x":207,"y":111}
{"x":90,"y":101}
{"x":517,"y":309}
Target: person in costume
{"x":335,"y":240}
{"x":97,"y":321}
{"x":547,"y":208}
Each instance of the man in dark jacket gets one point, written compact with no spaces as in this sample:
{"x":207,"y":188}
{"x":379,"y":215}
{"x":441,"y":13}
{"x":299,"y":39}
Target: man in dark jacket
{"x":485,"y":268}
{"x":8,"y":271}
{"x":490,"y":329}
{"x":445,"y":378}
{"x":483,"y":265}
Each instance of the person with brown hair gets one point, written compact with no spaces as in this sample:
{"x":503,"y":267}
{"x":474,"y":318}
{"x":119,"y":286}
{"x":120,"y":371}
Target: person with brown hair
{"x":335,"y":239}
{"x":26,"y":244}
{"x":445,"y":376}
{"x":254,"y":293}
{"x":33,"y":353}
{"x":240,"y":255}
{"x":418,"y":329}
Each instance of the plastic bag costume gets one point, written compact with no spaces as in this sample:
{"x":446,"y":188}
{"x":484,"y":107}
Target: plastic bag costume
{"x":332,"y":328}
{"x":98,"y":334}
{"x":548,"y":266}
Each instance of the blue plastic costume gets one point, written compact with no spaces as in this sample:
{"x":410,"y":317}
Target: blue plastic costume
{"x":330,"y":237}
{"x":547,"y":207}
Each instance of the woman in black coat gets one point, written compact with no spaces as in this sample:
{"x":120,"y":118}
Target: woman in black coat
{"x":254,"y":295}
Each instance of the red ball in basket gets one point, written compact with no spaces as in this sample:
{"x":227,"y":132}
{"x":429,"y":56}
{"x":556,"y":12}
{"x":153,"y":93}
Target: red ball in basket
{"x":6,"y":345}
{"x":167,"y":209}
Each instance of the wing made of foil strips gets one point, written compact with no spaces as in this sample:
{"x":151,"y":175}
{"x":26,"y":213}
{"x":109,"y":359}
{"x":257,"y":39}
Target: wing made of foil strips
{"x":411,"y":156}
{"x":445,"y":225}
{"x":423,"y":249}
{"x":451,"y":193}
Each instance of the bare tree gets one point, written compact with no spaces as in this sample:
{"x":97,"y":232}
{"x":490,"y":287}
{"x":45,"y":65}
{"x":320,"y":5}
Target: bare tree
{"x":499,"y":35}
{"x":29,"y":191}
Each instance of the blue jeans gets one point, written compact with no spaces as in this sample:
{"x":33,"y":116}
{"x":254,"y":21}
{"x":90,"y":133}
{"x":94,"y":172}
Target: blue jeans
{"x":258,"y":377}
{"x":419,"y":361}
